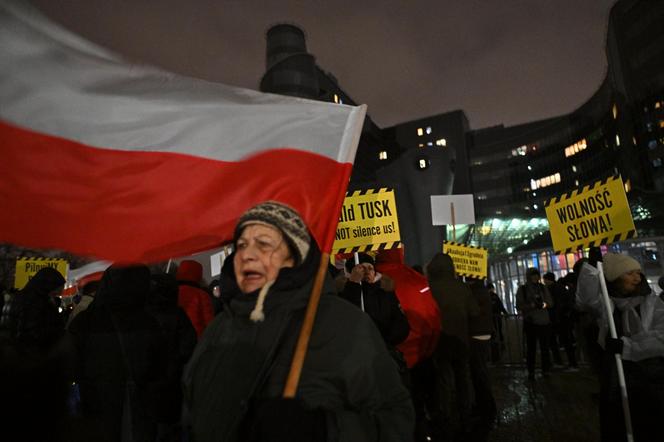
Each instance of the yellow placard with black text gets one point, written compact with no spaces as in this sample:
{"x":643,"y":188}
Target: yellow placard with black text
{"x":368,"y":221}
{"x":594,"y":215}
{"x":26,"y":268}
{"x":469,"y":261}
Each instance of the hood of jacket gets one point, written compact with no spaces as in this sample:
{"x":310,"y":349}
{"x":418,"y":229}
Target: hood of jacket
{"x":190,"y":270}
{"x":45,"y":281}
{"x":441,"y":267}
{"x":123,"y":287}
{"x":163,"y":291}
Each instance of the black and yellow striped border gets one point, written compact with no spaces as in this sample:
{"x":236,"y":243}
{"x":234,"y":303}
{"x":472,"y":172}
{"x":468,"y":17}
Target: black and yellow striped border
{"x":604,"y":241}
{"x":575,"y":192}
{"x":369,"y":191}
{"x":452,"y":243}
{"x":370,"y":247}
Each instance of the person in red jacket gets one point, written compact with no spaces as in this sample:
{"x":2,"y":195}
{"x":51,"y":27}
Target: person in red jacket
{"x":191,"y":297}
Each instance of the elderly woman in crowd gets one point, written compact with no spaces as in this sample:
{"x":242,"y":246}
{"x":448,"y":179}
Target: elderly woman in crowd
{"x":349,"y":389}
{"x":639,"y":320}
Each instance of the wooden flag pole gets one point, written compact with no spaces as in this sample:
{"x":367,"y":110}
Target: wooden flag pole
{"x":305,"y":332}
{"x":453,"y":222}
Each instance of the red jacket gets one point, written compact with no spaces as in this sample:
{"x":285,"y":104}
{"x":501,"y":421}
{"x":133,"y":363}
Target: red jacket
{"x":412,"y":290}
{"x":194,"y":300}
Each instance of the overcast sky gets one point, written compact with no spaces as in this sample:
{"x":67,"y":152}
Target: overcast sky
{"x":501,"y":61}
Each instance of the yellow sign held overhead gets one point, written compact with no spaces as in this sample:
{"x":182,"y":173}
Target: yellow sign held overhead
{"x":595,"y":215}
{"x":368,"y":221}
{"x":469,"y":261}
{"x":26,"y":268}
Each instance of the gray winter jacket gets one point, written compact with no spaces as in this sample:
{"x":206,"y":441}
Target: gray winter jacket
{"x":647,"y":343}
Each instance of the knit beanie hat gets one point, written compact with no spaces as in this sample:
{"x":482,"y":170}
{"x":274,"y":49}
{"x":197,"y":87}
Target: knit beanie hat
{"x":616,"y":264}
{"x":283,"y":218}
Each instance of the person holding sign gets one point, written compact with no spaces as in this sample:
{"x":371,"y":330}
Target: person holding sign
{"x":349,"y":389}
{"x":533,"y":301}
{"x":639,"y":322}
{"x":364,"y":289}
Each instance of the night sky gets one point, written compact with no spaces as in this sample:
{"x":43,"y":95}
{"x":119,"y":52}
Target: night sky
{"x":501,"y":61}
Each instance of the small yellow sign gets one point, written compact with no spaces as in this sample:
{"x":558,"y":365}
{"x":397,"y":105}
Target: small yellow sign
{"x":469,"y":261}
{"x":26,"y":268}
{"x":595,"y":215}
{"x":368,"y":221}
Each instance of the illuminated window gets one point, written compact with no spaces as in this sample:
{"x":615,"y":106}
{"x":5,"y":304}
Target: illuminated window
{"x":614,"y":111}
{"x":423,"y":163}
{"x":441,"y":142}
{"x":628,"y":186}
{"x":420,"y":132}
{"x":576,"y":148}
{"x":421,"y":145}
{"x":428,"y":130}
{"x":617,"y":140}
{"x":429,"y":144}
{"x":661,"y":123}
{"x":657,"y":105}
{"x":576,"y":183}
{"x":535,"y":206}
{"x":481,"y":197}
{"x":573,"y":168}
{"x":336,"y":98}
{"x":530,"y":167}
{"x":545,"y":182}
{"x":657,"y":162}
{"x":382,"y":155}
{"x":520,"y":151}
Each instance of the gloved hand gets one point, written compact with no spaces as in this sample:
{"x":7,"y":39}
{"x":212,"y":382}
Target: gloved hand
{"x":286,"y":420}
{"x":614,"y":345}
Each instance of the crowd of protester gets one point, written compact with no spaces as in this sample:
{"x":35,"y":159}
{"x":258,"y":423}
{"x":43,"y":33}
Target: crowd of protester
{"x":146,"y":355}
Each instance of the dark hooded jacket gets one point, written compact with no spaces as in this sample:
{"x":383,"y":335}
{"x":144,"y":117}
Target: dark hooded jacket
{"x":348,"y":372}
{"x":33,"y":319}
{"x":482,"y":324}
{"x":180,"y":337}
{"x":120,"y":349}
{"x":456,"y":303}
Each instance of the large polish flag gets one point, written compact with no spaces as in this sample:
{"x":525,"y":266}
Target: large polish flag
{"x":130,"y":163}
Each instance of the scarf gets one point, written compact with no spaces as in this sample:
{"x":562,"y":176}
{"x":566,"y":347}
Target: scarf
{"x":631,"y":321}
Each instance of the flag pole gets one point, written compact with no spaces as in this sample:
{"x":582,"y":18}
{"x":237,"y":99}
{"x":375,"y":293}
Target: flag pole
{"x":619,"y":365}
{"x":453,"y":222}
{"x":305,"y":332}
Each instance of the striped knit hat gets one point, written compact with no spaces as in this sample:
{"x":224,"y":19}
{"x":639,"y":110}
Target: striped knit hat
{"x":285,"y":219}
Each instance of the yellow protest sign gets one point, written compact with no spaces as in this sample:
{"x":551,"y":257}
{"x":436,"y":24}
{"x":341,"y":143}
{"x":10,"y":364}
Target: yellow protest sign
{"x":594,"y":215}
{"x":26,"y":268}
{"x":368,"y":221}
{"x":469,"y":261}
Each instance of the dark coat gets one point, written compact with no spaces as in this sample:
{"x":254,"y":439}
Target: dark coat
{"x":457,"y":306}
{"x":382,"y":307}
{"x":119,"y":346}
{"x":32,"y":319}
{"x":529,"y":299}
{"x":482,"y":324}
{"x":348,"y":372}
{"x":180,"y":337}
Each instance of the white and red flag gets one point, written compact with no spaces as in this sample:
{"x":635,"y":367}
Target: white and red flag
{"x":130,"y":163}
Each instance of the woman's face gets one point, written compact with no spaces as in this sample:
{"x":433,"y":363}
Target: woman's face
{"x":261,"y":252}
{"x":629,"y":281}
